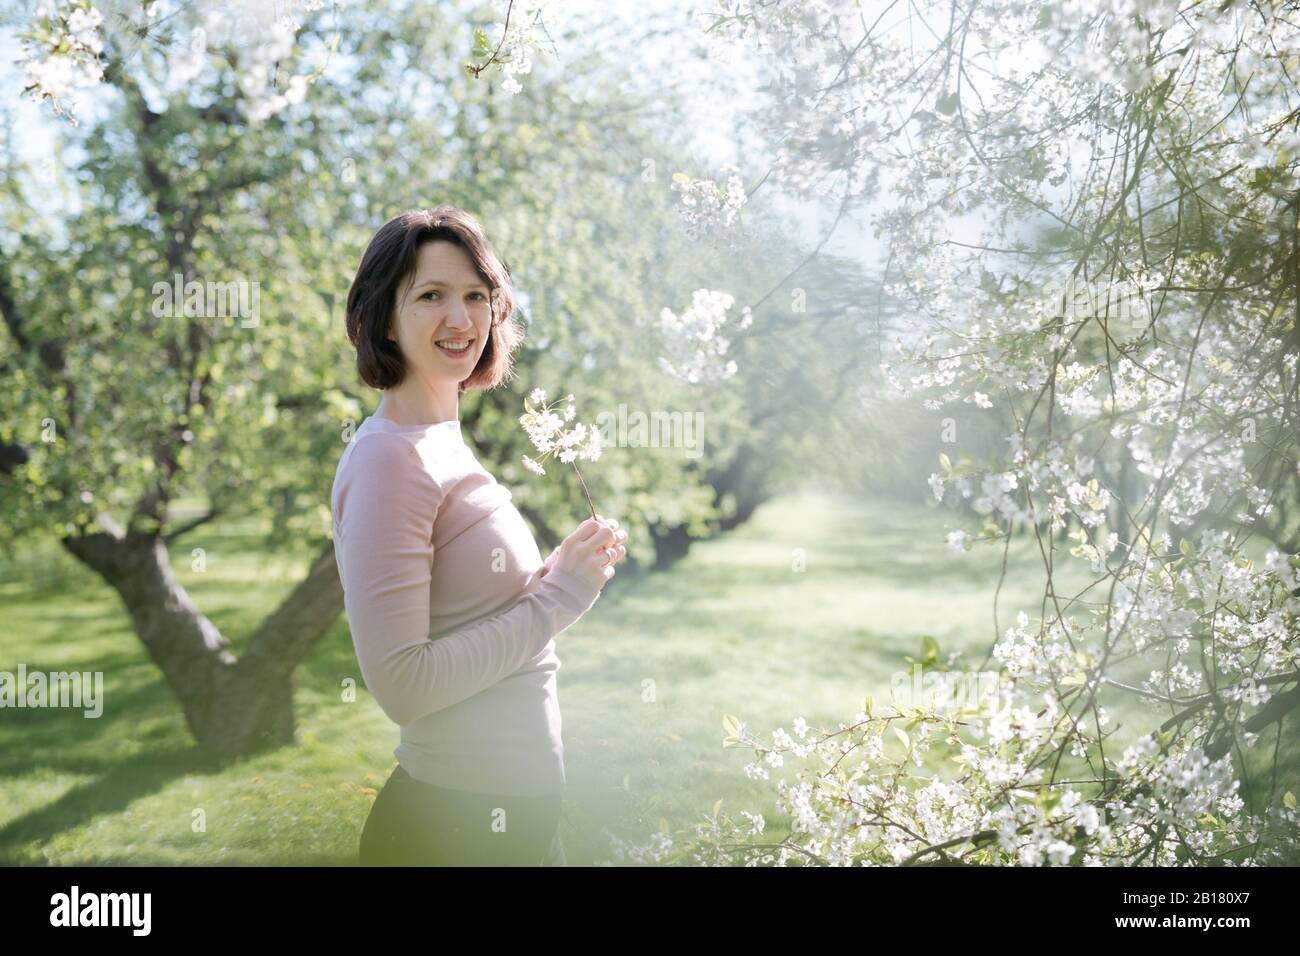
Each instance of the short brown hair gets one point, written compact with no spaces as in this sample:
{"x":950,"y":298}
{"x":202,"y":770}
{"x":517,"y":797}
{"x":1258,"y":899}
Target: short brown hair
{"x":389,"y":259}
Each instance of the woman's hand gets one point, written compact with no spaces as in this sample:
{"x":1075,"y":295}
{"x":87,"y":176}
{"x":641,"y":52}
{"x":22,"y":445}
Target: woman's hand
{"x":591,"y":551}
{"x":550,"y":561}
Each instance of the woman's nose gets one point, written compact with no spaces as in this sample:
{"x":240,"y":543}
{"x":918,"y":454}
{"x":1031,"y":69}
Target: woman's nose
{"x":458,"y":317}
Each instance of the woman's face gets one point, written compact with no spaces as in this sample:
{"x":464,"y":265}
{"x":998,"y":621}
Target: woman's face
{"x":449,"y":303}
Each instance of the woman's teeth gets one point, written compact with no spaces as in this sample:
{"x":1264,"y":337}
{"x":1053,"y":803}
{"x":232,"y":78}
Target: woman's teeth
{"x":455,"y":346}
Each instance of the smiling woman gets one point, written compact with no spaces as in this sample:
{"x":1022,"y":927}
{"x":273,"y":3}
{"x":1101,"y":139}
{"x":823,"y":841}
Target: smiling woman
{"x":452,"y":610}
{"x":434,"y":272}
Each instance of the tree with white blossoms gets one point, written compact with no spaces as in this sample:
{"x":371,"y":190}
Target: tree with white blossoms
{"x":1148,"y":148}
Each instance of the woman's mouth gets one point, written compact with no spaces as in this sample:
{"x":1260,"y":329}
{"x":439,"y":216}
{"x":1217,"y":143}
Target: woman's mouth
{"x":456,"y":348}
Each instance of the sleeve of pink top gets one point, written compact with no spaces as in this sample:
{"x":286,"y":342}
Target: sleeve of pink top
{"x":387,"y":502}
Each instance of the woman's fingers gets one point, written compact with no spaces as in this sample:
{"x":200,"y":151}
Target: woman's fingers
{"x":604,"y":530}
{"x":607,"y":540}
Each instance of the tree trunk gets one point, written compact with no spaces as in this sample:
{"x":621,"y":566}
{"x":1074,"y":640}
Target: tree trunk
{"x":671,"y":544}
{"x":231,"y":705}
{"x":742,"y":479}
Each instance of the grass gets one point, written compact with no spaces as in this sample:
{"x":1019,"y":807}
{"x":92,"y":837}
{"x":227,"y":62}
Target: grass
{"x":803,"y":611}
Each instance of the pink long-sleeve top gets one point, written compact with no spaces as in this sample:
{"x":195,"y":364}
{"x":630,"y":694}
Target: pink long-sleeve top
{"x":452,"y":620}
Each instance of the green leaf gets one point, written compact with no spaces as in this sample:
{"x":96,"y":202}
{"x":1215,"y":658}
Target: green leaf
{"x":1288,"y":799}
{"x":929,"y":649}
{"x":945,"y":462}
{"x":947,"y":104}
{"x":902,"y":737}
{"x":717,"y":806}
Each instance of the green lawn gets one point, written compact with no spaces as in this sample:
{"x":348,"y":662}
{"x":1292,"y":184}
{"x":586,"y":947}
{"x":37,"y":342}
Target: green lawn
{"x":646,"y":680}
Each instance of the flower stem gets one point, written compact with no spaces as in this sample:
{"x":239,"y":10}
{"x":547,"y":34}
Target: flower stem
{"x":584,"y":489}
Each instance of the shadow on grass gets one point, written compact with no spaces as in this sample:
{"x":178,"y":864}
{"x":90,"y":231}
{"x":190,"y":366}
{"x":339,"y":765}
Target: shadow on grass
{"x":140,"y":712}
{"x":40,"y":736}
{"x":127,"y":781}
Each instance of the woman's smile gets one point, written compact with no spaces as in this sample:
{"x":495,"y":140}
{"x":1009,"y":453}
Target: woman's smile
{"x":455,"y":347}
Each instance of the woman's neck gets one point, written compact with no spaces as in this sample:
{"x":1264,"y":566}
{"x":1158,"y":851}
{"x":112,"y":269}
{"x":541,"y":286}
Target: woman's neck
{"x":422,"y":409}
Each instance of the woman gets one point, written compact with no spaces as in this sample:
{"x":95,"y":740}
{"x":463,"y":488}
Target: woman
{"x":453,"y":611}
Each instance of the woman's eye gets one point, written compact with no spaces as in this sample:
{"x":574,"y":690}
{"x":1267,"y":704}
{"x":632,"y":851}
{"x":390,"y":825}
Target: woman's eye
{"x":432,"y":292}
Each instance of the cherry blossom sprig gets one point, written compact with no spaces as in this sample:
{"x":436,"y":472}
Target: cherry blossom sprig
{"x":514,"y":40}
{"x":546,"y":430}
{"x":708,"y":207}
